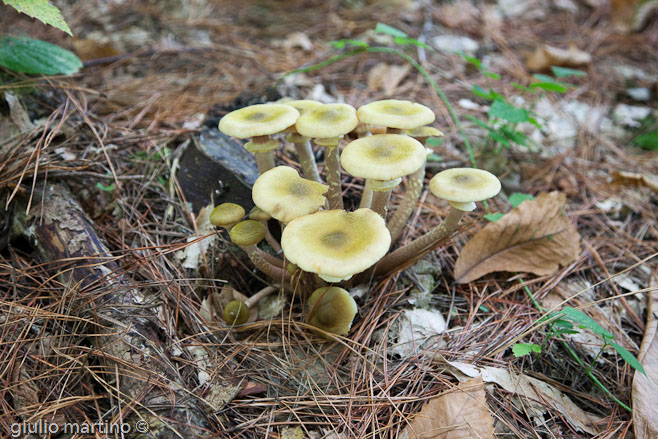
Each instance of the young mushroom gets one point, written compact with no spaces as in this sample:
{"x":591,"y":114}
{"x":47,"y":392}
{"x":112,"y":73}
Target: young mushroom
{"x":382,"y":160}
{"x":414,"y":184}
{"x":331,"y":309}
{"x":236,"y":312}
{"x":461,"y":187}
{"x":259,"y":122}
{"x":327,"y":124}
{"x":247,"y":234}
{"x":258,"y":214}
{"x":282,"y":193}
{"x":226,"y":215}
{"x":396,"y":115}
{"x":302,"y":143}
{"x":336,"y":244}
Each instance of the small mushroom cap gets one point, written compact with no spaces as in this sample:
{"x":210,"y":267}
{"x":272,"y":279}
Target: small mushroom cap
{"x":258,"y":214}
{"x":336,"y":243}
{"x":236,"y":312}
{"x":383,"y":156}
{"x":331,"y":309}
{"x":464,"y":186}
{"x":285,"y":195}
{"x":395,"y":113}
{"x":258,"y":120}
{"x":248,"y":232}
{"x":226,"y":214}
{"x":423,"y":132}
{"x":304,"y":105}
{"x":327,"y":121}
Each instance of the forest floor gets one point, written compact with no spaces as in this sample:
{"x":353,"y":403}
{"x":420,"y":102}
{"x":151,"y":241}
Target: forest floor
{"x":157,"y":71}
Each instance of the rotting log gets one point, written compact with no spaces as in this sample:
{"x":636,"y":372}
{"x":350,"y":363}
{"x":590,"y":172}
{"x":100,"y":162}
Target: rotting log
{"x":149,"y":387}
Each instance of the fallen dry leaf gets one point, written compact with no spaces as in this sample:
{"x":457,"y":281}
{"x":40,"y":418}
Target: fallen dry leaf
{"x":546,"y":56}
{"x":89,"y":49}
{"x":538,"y":396}
{"x":645,"y":388}
{"x":635,"y":179}
{"x":460,"y":414}
{"x":536,"y":237}
{"x":387,"y":77}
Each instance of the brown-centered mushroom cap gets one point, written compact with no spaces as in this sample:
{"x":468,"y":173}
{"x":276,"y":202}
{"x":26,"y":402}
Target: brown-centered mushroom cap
{"x":226,"y":214}
{"x":285,"y":195}
{"x":461,"y":187}
{"x":331,"y":309}
{"x":336,"y":244}
{"x":395,"y":113}
{"x":383,"y":156}
{"x":327,"y":121}
{"x":248,"y":232}
{"x":258,"y":120}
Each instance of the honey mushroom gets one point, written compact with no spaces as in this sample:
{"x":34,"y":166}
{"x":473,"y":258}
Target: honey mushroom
{"x":326,"y":124}
{"x":247,"y":234}
{"x":331,"y":309}
{"x":259,"y":122}
{"x":382,"y":160}
{"x":302,"y":143}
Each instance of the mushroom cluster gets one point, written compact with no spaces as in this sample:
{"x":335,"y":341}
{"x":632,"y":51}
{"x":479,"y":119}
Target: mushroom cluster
{"x":322,"y":242}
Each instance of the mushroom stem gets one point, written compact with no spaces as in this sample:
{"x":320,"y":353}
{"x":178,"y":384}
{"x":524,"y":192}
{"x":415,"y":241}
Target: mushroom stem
{"x":261,"y":262}
{"x":332,"y":167}
{"x":408,"y":203}
{"x":389,"y":262}
{"x":265,"y":159}
{"x":259,"y":295}
{"x":380,"y":201}
{"x":271,"y":240}
{"x":366,"y":197}
{"x":305,"y":155}
{"x":390,"y":130}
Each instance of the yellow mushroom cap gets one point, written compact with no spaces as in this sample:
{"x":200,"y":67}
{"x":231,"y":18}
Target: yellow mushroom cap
{"x":258,"y":214}
{"x":304,"y":105}
{"x":331,"y":309}
{"x":258,"y":120}
{"x":395,"y":113}
{"x":463,"y":186}
{"x":285,"y":195}
{"x":383,"y":156}
{"x":327,"y":121}
{"x":336,"y":244}
{"x":248,"y":232}
{"x":424,"y":131}
{"x":226,"y":214}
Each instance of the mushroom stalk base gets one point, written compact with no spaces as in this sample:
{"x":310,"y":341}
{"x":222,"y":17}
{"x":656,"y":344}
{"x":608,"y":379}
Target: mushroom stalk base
{"x":418,"y":245}
{"x":259,"y":295}
{"x":406,"y":207}
{"x":265,"y":161}
{"x":380,"y":201}
{"x":261,"y":262}
{"x":335,"y":194}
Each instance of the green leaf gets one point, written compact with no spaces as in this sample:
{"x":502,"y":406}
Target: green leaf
{"x":521,"y":349}
{"x":647,"y":141}
{"x":493,"y":217}
{"x":104,"y":188}
{"x":471,"y":59}
{"x":520,"y":87}
{"x":482,"y":93}
{"x":561,"y":72}
{"x":434,"y":141}
{"x":549,"y":86}
{"x":27,"y":55}
{"x":434,"y":158}
{"x":499,"y":138}
{"x":535,"y":122}
{"x":348,"y":42}
{"x":42,"y":10}
{"x":382,"y":28}
{"x":508,"y":112}
{"x":517,"y":198}
{"x":562,"y":324}
{"x":491,"y":74}
{"x":410,"y":42}
{"x":515,"y":136}
{"x":629,"y":358}
{"x":585,"y":321}
{"x":478,"y":122}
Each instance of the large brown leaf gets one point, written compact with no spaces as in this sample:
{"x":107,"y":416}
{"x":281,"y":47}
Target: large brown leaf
{"x":536,"y":237}
{"x":462,"y":414}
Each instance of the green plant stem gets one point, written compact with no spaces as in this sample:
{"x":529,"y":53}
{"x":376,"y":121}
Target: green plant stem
{"x":588,"y":370}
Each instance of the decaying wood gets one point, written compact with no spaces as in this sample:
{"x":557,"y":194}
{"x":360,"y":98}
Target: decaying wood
{"x":148,"y":385}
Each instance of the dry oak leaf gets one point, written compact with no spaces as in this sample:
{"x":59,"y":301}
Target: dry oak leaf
{"x":460,"y":414}
{"x":635,"y":179}
{"x":536,"y":237}
{"x":387,"y":77}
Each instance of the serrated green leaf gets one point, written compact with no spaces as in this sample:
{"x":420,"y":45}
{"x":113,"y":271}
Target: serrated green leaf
{"x":382,"y":28}
{"x":493,"y":217}
{"x":561,"y":72}
{"x":43,"y":11}
{"x":629,"y":358}
{"x":521,"y":349}
{"x":508,"y":112}
{"x":27,"y":55}
{"x":585,"y":321}
{"x":517,"y":198}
